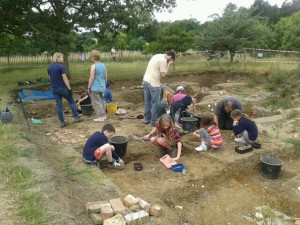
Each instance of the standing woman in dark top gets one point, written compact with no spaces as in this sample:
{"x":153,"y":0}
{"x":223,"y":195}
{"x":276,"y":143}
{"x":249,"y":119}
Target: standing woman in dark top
{"x":61,"y":88}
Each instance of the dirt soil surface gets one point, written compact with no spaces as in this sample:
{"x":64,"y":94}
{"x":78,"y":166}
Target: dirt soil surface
{"x":219,"y":187}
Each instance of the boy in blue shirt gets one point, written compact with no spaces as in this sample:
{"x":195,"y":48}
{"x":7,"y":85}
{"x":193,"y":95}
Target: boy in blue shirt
{"x":244,"y":127}
{"x":97,"y":146}
{"x":108,"y":93}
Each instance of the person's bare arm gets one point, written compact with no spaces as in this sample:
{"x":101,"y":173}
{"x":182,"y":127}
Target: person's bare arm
{"x":164,"y":74}
{"x":82,"y":99}
{"x":92,"y":77}
{"x":179,"y":147}
{"x":153,"y":131}
{"x":216,"y":119}
{"x":66,"y":81}
{"x":194,"y":104}
{"x":196,"y":133}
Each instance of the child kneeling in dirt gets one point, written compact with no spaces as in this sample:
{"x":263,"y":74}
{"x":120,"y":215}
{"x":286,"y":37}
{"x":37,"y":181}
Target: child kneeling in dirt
{"x":85,"y":99}
{"x":210,"y":134}
{"x":97,"y":146}
{"x":244,"y":129}
{"x":167,"y":138}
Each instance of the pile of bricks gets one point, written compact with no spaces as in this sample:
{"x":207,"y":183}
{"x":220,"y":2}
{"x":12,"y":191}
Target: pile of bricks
{"x":130,"y":210}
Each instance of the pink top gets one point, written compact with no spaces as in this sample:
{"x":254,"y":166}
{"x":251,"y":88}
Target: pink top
{"x":178,"y":96}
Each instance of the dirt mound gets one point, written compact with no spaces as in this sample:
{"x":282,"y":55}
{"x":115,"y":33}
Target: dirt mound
{"x":133,"y":96}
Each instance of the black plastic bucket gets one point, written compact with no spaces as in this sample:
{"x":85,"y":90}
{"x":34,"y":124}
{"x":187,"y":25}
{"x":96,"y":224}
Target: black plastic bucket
{"x":270,"y":166}
{"x":120,"y":144}
{"x":86,"y":109}
{"x":199,"y":118}
{"x":189,"y":123}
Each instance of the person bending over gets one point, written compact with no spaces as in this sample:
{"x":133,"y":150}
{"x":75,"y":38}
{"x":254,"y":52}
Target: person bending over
{"x":97,"y":146}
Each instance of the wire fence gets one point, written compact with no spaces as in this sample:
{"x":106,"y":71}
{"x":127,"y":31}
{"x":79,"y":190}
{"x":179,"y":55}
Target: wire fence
{"x":43,"y":59}
{"x":211,"y":58}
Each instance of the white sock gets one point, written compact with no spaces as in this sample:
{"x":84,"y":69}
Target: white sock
{"x":202,"y":143}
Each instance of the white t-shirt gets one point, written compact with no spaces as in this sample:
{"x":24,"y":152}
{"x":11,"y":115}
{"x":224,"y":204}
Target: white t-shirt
{"x":113,"y":52}
{"x":157,"y":64}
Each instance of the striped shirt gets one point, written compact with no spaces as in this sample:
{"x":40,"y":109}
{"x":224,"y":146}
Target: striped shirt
{"x":216,"y":137}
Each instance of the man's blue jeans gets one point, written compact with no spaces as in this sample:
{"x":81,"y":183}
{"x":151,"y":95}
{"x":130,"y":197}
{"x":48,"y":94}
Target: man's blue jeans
{"x":151,"y":101}
{"x":59,"y":93}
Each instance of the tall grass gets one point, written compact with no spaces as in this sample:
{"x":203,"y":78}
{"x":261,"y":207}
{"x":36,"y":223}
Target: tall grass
{"x":279,"y":85}
{"x":18,"y":179}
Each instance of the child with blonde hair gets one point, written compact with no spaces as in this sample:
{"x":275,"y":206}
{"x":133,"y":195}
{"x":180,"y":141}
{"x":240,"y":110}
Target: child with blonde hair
{"x":165,"y":105}
{"x":166,"y":137}
{"x":209,"y":134}
{"x":244,"y":128}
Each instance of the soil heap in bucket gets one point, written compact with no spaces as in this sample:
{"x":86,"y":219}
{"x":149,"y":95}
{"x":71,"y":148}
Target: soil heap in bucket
{"x":111,"y":108}
{"x":189,"y":123}
{"x":270,"y":166}
{"x":120,"y":144}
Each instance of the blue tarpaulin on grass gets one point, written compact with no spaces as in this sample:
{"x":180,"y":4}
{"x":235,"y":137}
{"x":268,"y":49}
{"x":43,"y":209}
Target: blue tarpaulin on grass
{"x":34,"y":95}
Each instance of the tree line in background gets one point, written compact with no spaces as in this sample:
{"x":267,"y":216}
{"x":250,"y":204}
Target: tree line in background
{"x":30,"y":27}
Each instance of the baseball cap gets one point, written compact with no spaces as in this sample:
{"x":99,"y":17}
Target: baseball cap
{"x":108,"y":84}
{"x":180,"y":88}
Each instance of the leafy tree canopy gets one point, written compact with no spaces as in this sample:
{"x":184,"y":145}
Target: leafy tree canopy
{"x":54,"y":22}
{"x":234,"y":30}
{"x":178,"y":36}
{"x":288,"y":32}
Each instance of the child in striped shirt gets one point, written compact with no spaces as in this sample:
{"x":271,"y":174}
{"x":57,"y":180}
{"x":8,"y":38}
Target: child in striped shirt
{"x":209,"y":134}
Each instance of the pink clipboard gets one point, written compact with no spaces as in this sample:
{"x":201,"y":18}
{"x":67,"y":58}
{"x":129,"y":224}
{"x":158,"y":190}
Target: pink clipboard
{"x":167,"y":161}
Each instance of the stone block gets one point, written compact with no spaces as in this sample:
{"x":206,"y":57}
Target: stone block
{"x":117,"y":206}
{"x":134,"y":208}
{"x":94,"y":207}
{"x":156,"y":210}
{"x":144,"y":205}
{"x":137,"y":218}
{"x":97,"y":218}
{"x":106,"y":212}
{"x":116,"y":220}
{"x":130,"y":200}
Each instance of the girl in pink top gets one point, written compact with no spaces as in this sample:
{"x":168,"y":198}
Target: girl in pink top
{"x":180,"y":94}
{"x":210,"y":135}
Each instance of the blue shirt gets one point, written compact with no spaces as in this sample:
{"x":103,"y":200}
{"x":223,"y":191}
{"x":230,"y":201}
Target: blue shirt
{"x":249,"y":126}
{"x":99,"y":79}
{"x":95,"y":141}
{"x":108,"y":95}
{"x":55,"y":72}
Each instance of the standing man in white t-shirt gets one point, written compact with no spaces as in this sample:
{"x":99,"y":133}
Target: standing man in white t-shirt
{"x":113,"y":53}
{"x":157,"y":68}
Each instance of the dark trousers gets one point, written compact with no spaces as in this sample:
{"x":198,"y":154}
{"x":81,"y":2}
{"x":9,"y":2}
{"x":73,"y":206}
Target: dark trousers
{"x":225,"y":122}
